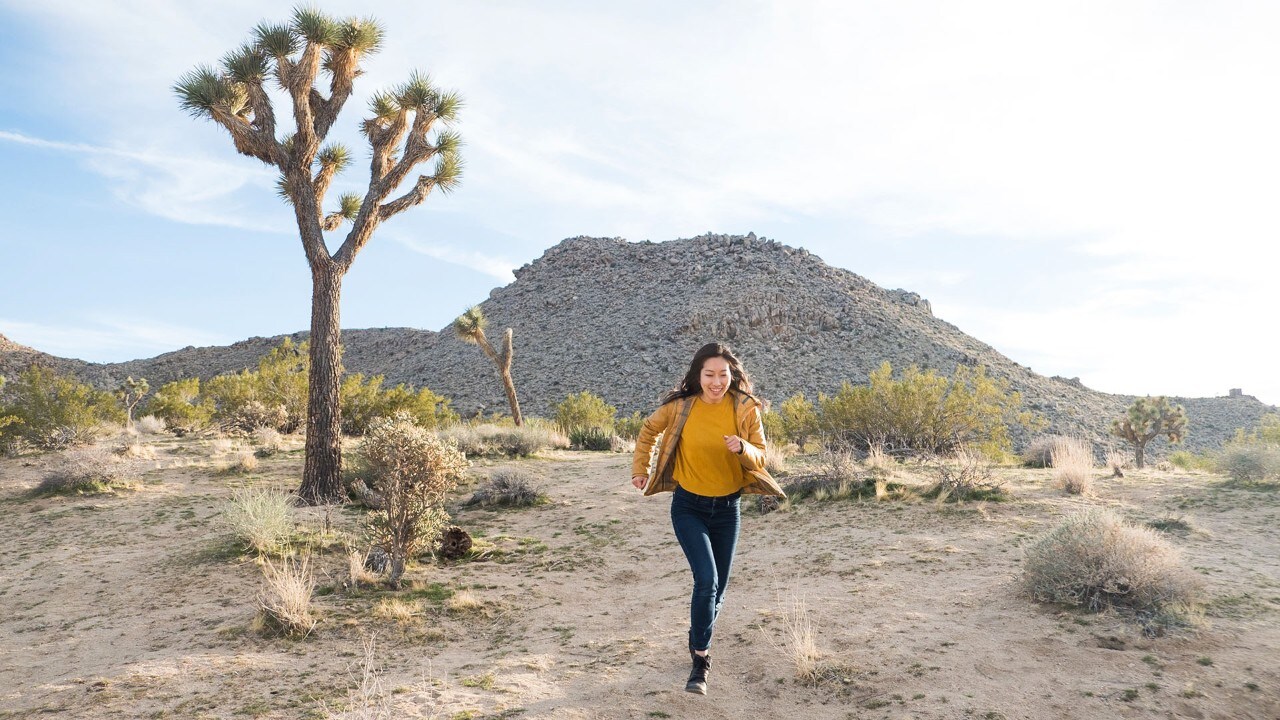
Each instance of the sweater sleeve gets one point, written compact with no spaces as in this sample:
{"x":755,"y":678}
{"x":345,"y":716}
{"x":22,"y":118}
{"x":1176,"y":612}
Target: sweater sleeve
{"x":649,"y":432}
{"x":753,"y":442}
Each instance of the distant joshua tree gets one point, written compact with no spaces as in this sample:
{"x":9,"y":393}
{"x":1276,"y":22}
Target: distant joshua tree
{"x":470,"y":326}
{"x":295,"y":54}
{"x":130,"y":394}
{"x":1148,"y":418}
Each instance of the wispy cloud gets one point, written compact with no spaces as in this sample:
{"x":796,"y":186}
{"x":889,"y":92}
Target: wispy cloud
{"x":496,"y":267}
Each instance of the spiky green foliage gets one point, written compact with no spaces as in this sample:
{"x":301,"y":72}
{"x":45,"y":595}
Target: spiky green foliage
{"x":363,"y":35}
{"x":417,"y":93}
{"x":470,"y":324}
{"x":335,"y":156}
{"x":447,"y":106}
{"x":383,"y":106}
{"x":315,"y":26}
{"x":203,"y":91}
{"x":279,"y":40}
{"x":1148,"y":418}
{"x":448,"y":173}
{"x":246,"y":64}
{"x":924,"y":412}
{"x":349,"y":205}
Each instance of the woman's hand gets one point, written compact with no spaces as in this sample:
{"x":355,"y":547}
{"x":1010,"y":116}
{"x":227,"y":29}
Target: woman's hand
{"x":734,"y":443}
{"x":639,"y":481}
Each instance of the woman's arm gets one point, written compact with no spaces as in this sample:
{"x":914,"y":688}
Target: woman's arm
{"x":653,"y":426}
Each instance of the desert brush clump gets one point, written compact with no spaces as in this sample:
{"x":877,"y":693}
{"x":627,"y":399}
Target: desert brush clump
{"x":1096,"y":560}
{"x":1148,"y":418}
{"x":181,"y":407}
{"x":1039,"y":451}
{"x":85,"y":470}
{"x":585,"y":410}
{"x":1072,"y":460}
{"x":48,"y":411}
{"x":412,"y":470}
{"x":591,"y":438}
{"x":241,"y":462}
{"x":487,"y":440}
{"x":797,"y":420}
{"x":924,"y":413}
{"x":268,"y":441}
{"x":1250,"y":462}
{"x":261,"y":518}
{"x":152,"y":425}
{"x":284,"y":604}
{"x":365,"y":399}
{"x":508,"y":487}
{"x":965,"y":475}
{"x":835,"y":476}
{"x":1116,"y":461}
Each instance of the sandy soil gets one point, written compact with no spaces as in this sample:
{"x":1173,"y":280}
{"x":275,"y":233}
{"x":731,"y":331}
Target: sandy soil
{"x":137,"y":605}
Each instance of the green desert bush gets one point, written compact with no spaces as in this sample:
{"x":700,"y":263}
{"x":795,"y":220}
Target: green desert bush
{"x":1192,"y":461}
{"x":1096,"y":560}
{"x":924,"y":413}
{"x":1250,"y":462}
{"x":412,"y":470}
{"x":85,"y":470}
{"x":798,"y":420}
{"x":274,"y":395}
{"x":591,"y":438}
{"x":180,"y":406}
{"x":629,"y":427}
{"x":363,"y":400}
{"x":508,"y":487}
{"x":261,"y":518}
{"x":1267,"y":431}
{"x":1072,"y":461}
{"x":584,"y":410}
{"x":45,"y":410}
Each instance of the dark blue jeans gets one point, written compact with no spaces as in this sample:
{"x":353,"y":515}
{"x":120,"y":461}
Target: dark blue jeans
{"x":707,"y":529}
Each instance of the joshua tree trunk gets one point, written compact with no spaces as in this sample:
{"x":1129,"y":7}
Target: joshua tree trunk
{"x":1141,"y":452}
{"x":322,"y":473}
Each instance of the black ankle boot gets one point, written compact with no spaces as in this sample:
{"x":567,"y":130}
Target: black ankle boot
{"x":698,"y":677}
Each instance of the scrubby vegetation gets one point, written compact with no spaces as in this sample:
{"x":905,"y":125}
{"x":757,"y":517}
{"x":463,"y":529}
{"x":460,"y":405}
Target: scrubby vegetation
{"x":412,"y":470}
{"x":922,"y":412}
{"x":584,"y":410}
{"x":261,"y":518}
{"x":1254,"y":455}
{"x":488,"y":440}
{"x":1096,"y":560}
{"x":48,"y":411}
{"x":1072,"y":460}
{"x":508,"y":487}
{"x":86,"y":470}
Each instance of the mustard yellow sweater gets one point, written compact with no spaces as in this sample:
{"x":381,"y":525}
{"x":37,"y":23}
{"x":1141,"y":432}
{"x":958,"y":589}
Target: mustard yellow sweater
{"x":703,"y":464}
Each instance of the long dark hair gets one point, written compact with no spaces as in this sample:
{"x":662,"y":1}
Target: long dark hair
{"x":692,"y":383}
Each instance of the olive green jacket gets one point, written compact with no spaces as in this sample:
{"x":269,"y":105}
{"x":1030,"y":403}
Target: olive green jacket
{"x":668,"y":421}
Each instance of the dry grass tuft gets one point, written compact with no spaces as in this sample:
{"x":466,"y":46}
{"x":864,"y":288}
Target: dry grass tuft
{"x":151,"y":425}
{"x":268,"y":441}
{"x":261,"y":518}
{"x":401,"y":611}
{"x":241,"y":463}
{"x":775,"y":459}
{"x":284,"y":605}
{"x":1097,"y":560}
{"x":1116,"y":462}
{"x":878,"y":459}
{"x":798,"y":644}
{"x":464,"y":602}
{"x":966,"y":475}
{"x":358,"y":575}
{"x":1072,"y":460}
{"x":511,"y":487}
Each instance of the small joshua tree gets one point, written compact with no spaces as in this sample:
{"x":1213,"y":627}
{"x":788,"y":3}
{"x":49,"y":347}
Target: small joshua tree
{"x":1148,"y":418}
{"x":130,"y":394}
{"x":470,"y":327}
{"x":412,"y":470}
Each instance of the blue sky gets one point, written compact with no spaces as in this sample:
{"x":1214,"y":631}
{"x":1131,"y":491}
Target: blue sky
{"x":1089,"y":187}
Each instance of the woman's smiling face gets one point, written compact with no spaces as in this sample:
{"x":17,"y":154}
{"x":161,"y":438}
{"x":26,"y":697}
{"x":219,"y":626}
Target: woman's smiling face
{"x":715,"y":378}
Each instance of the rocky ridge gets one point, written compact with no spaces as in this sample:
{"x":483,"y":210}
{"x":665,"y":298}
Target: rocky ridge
{"x":621,"y":319}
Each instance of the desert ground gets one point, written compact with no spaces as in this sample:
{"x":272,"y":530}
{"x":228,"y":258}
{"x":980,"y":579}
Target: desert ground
{"x":139,"y":604}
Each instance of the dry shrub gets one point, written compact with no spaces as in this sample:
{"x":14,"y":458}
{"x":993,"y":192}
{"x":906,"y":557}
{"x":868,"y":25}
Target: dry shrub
{"x":268,"y":441}
{"x":151,"y":425}
{"x":412,"y":470}
{"x":1039,"y":452}
{"x":241,"y":462}
{"x":358,"y":573}
{"x":775,"y":459}
{"x":134,"y":450}
{"x":369,"y":699}
{"x":878,"y":459}
{"x":401,"y":611}
{"x":621,"y":444}
{"x":1116,"y":462}
{"x":1072,"y":460}
{"x":260,"y":518}
{"x":221,"y":445}
{"x":494,"y":440}
{"x":284,"y":605}
{"x":1096,"y":560}
{"x":508,"y":487}
{"x":1250,"y":462}
{"x":835,"y":476}
{"x":92,"y":469}
{"x":966,"y":475}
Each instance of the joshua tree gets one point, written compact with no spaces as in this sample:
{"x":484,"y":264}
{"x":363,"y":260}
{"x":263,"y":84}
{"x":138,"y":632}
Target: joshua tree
{"x":313,"y":46}
{"x":470,"y":327}
{"x":1148,"y":418}
{"x":130,"y":394}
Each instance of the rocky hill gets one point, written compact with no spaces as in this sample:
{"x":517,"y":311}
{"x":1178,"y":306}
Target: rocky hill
{"x":621,"y":319}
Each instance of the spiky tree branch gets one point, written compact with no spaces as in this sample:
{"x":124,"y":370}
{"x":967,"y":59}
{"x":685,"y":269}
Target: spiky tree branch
{"x":470,"y":326}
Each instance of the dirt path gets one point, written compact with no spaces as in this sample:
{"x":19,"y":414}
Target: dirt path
{"x":135,"y":605}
